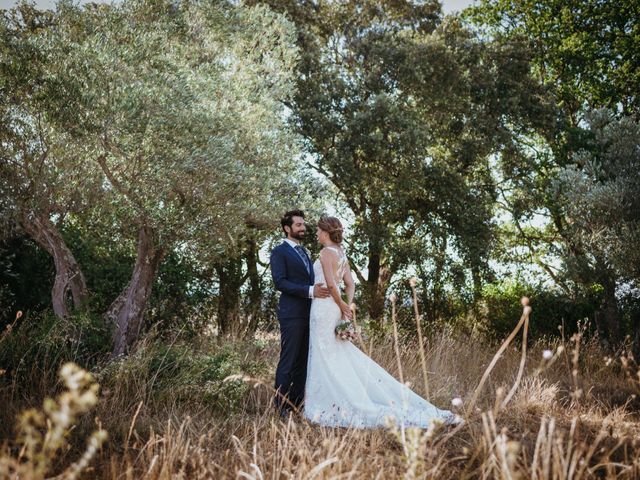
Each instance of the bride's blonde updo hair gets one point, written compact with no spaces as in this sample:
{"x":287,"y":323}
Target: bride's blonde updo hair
{"x":332,"y":226}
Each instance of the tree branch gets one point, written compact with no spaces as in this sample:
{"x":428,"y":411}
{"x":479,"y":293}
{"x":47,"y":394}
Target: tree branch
{"x":352,"y":204}
{"x":127,"y":193}
{"x":357,"y":271}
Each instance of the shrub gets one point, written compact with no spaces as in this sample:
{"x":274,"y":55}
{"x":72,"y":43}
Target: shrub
{"x":43,"y":342}
{"x":179,"y":373}
{"x":552,"y":309}
{"x":26,"y":278}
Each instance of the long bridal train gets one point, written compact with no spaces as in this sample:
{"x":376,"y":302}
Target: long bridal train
{"x":345,"y":387}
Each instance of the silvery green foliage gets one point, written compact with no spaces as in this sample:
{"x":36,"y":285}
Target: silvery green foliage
{"x":40,"y":171}
{"x":600,"y":191}
{"x":177,"y":107}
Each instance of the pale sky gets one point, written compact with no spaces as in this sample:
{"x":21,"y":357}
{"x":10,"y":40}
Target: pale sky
{"x":448,"y":5}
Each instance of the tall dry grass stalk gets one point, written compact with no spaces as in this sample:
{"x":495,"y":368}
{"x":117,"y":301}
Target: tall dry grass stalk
{"x":523,"y":322}
{"x":396,"y":339}
{"x":418,"y":317}
{"x":6,"y":332}
{"x":9,"y":328}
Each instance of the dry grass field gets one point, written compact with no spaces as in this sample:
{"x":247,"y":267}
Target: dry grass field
{"x":572,"y":414}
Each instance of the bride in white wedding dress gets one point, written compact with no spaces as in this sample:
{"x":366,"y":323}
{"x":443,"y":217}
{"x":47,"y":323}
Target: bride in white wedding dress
{"x":345,"y":387}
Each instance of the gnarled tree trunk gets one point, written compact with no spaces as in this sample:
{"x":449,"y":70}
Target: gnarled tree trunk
{"x":254,"y":311}
{"x":377,"y":284}
{"x":635,"y":345}
{"x":608,"y":318}
{"x":127,"y":311}
{"x":434,"y":310}
{"x":230,"y":279}
{"x":69,"y":277}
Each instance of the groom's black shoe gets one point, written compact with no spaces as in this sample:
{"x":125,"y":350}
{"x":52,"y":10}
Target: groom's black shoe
{"x":285,"y":414}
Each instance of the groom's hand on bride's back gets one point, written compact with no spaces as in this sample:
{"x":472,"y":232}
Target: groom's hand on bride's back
{"x":320,"y":291}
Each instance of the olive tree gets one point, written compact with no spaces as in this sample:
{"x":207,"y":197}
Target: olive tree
{"x":41,"y":180}
{"x":600,"y":192}
{"x":178,"y":108}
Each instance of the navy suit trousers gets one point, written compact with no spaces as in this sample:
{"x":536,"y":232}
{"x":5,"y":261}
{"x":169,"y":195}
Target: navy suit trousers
{"x":291,"y":373}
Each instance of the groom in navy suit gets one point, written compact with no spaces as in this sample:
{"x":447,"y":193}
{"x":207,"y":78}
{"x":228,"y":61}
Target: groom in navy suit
{"x":292,"y":272}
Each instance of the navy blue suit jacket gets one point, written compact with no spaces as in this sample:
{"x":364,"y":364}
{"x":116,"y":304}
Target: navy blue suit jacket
{"x":293,"y":280}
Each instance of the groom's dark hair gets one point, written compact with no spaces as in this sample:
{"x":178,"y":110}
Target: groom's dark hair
{"x":287,"y":219}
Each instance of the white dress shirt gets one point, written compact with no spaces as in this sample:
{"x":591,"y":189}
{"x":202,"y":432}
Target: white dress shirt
{"x":293,"y":245}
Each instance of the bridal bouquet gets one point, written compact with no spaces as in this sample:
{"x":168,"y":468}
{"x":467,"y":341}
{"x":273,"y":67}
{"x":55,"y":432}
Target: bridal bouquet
{"x":346,"y":330}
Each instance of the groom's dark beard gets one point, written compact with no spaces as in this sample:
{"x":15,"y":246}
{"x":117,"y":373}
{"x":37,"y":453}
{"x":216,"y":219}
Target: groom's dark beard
{"x":298,"y":235}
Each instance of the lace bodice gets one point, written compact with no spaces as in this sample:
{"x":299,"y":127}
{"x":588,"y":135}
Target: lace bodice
{"x":342,"y":267}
